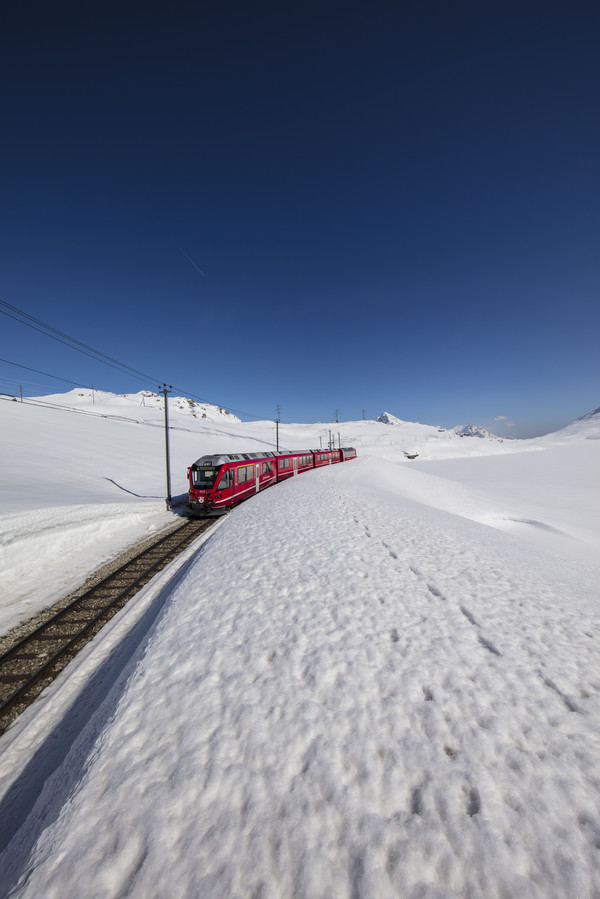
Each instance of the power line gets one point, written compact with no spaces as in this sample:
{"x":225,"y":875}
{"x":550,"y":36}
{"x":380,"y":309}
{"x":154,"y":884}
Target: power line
{"x":99,"y":356}
{"x":72,"y":342}
{"x":145,"y":379}
{"x":45,"y":373}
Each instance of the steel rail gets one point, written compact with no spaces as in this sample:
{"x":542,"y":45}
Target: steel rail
{"x":88,"y":593}
{"x":191,"y":529}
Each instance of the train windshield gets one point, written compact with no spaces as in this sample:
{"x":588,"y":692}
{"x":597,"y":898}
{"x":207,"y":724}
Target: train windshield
{"x":204,"y":478}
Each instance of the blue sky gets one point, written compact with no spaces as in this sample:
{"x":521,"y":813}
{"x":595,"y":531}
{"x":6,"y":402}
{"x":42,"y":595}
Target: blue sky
{"x":322,"y":205}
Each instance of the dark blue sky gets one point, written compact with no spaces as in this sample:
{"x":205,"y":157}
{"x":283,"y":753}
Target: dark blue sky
{"x":325,"y":205}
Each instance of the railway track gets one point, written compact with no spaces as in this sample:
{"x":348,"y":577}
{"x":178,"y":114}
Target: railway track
{"x":34,"y":660}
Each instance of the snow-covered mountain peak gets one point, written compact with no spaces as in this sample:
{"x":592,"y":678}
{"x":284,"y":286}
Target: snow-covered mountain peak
{"x":387,"y":418}
{"x":586,"y":427}
{"x":594,"y":414}
{"x":472,"y":430}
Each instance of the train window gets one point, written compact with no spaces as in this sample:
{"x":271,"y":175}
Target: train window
{"x":245,"y":473}
{"x":284,"y":463}
{"x":204,"y":478}
{"x":225,"y":481}
{"x":266,"y":468}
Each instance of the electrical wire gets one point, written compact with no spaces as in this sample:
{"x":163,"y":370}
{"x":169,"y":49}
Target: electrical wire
{"x":98,"y":356}
{"x":46,"y":374}
{"x":73,"y":343}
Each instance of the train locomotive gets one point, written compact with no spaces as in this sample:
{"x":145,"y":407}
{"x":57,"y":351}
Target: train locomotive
{"x":220,"y":481}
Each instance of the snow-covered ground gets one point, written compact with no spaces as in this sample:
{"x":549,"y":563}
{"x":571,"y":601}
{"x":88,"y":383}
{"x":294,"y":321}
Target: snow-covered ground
{"x":379,"y":679}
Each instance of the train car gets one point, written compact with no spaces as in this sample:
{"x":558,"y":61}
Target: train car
{"x":347,"y":452}
{"x":220,"y":481}
{"x":289,"y":464}
{"x":325,"y":457}
{"x":217,"y":482}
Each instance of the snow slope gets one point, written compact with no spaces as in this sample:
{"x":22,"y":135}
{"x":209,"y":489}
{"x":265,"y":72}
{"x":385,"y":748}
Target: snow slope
{"x":354,"y":687}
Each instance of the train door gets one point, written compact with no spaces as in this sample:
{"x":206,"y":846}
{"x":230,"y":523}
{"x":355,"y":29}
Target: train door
{"x":295,"y":465}
{"x":225,"y":489}
{"x":257,"y":476}
{"x":266,"y":476}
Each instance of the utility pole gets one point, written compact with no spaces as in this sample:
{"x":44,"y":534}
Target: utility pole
{"x":364,"y":413}
{"x":166,"y":390}
{"x":277,"y":419}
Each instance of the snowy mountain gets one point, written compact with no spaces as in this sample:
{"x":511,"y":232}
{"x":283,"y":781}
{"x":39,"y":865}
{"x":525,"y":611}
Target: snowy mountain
{"x":387,"y":418}
{"x":134,"y":404}
{"x":591,"y":416}
{"x":186,"y":406}
{"x":469,"y":430}
{"x":586,"y":427}
{"x":472,"y":430}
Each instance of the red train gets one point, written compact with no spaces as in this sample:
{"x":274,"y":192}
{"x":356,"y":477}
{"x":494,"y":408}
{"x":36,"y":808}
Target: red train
{"x":220,"y":481}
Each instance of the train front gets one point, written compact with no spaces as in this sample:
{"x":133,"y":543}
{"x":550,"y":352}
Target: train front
{"x":203,"y":478}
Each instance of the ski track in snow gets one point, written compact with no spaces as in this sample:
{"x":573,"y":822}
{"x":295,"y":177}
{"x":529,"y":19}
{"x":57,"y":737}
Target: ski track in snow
{"x":354,"y":695}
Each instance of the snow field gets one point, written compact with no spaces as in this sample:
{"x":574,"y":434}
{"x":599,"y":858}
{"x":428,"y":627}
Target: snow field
{"x":47,"y":554}
{"x":352,"y":694}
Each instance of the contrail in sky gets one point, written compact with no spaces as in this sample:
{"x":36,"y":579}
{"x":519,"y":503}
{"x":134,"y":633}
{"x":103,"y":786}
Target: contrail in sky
{"x":189,"y":258}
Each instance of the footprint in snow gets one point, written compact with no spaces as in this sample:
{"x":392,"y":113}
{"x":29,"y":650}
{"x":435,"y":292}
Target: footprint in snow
{"x":469,"y":616}
{"x":487,"y":644}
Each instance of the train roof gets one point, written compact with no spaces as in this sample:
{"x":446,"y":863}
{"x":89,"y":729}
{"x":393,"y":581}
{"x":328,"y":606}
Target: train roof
{"x":222,"y":458}
{"x":218,"y":459}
